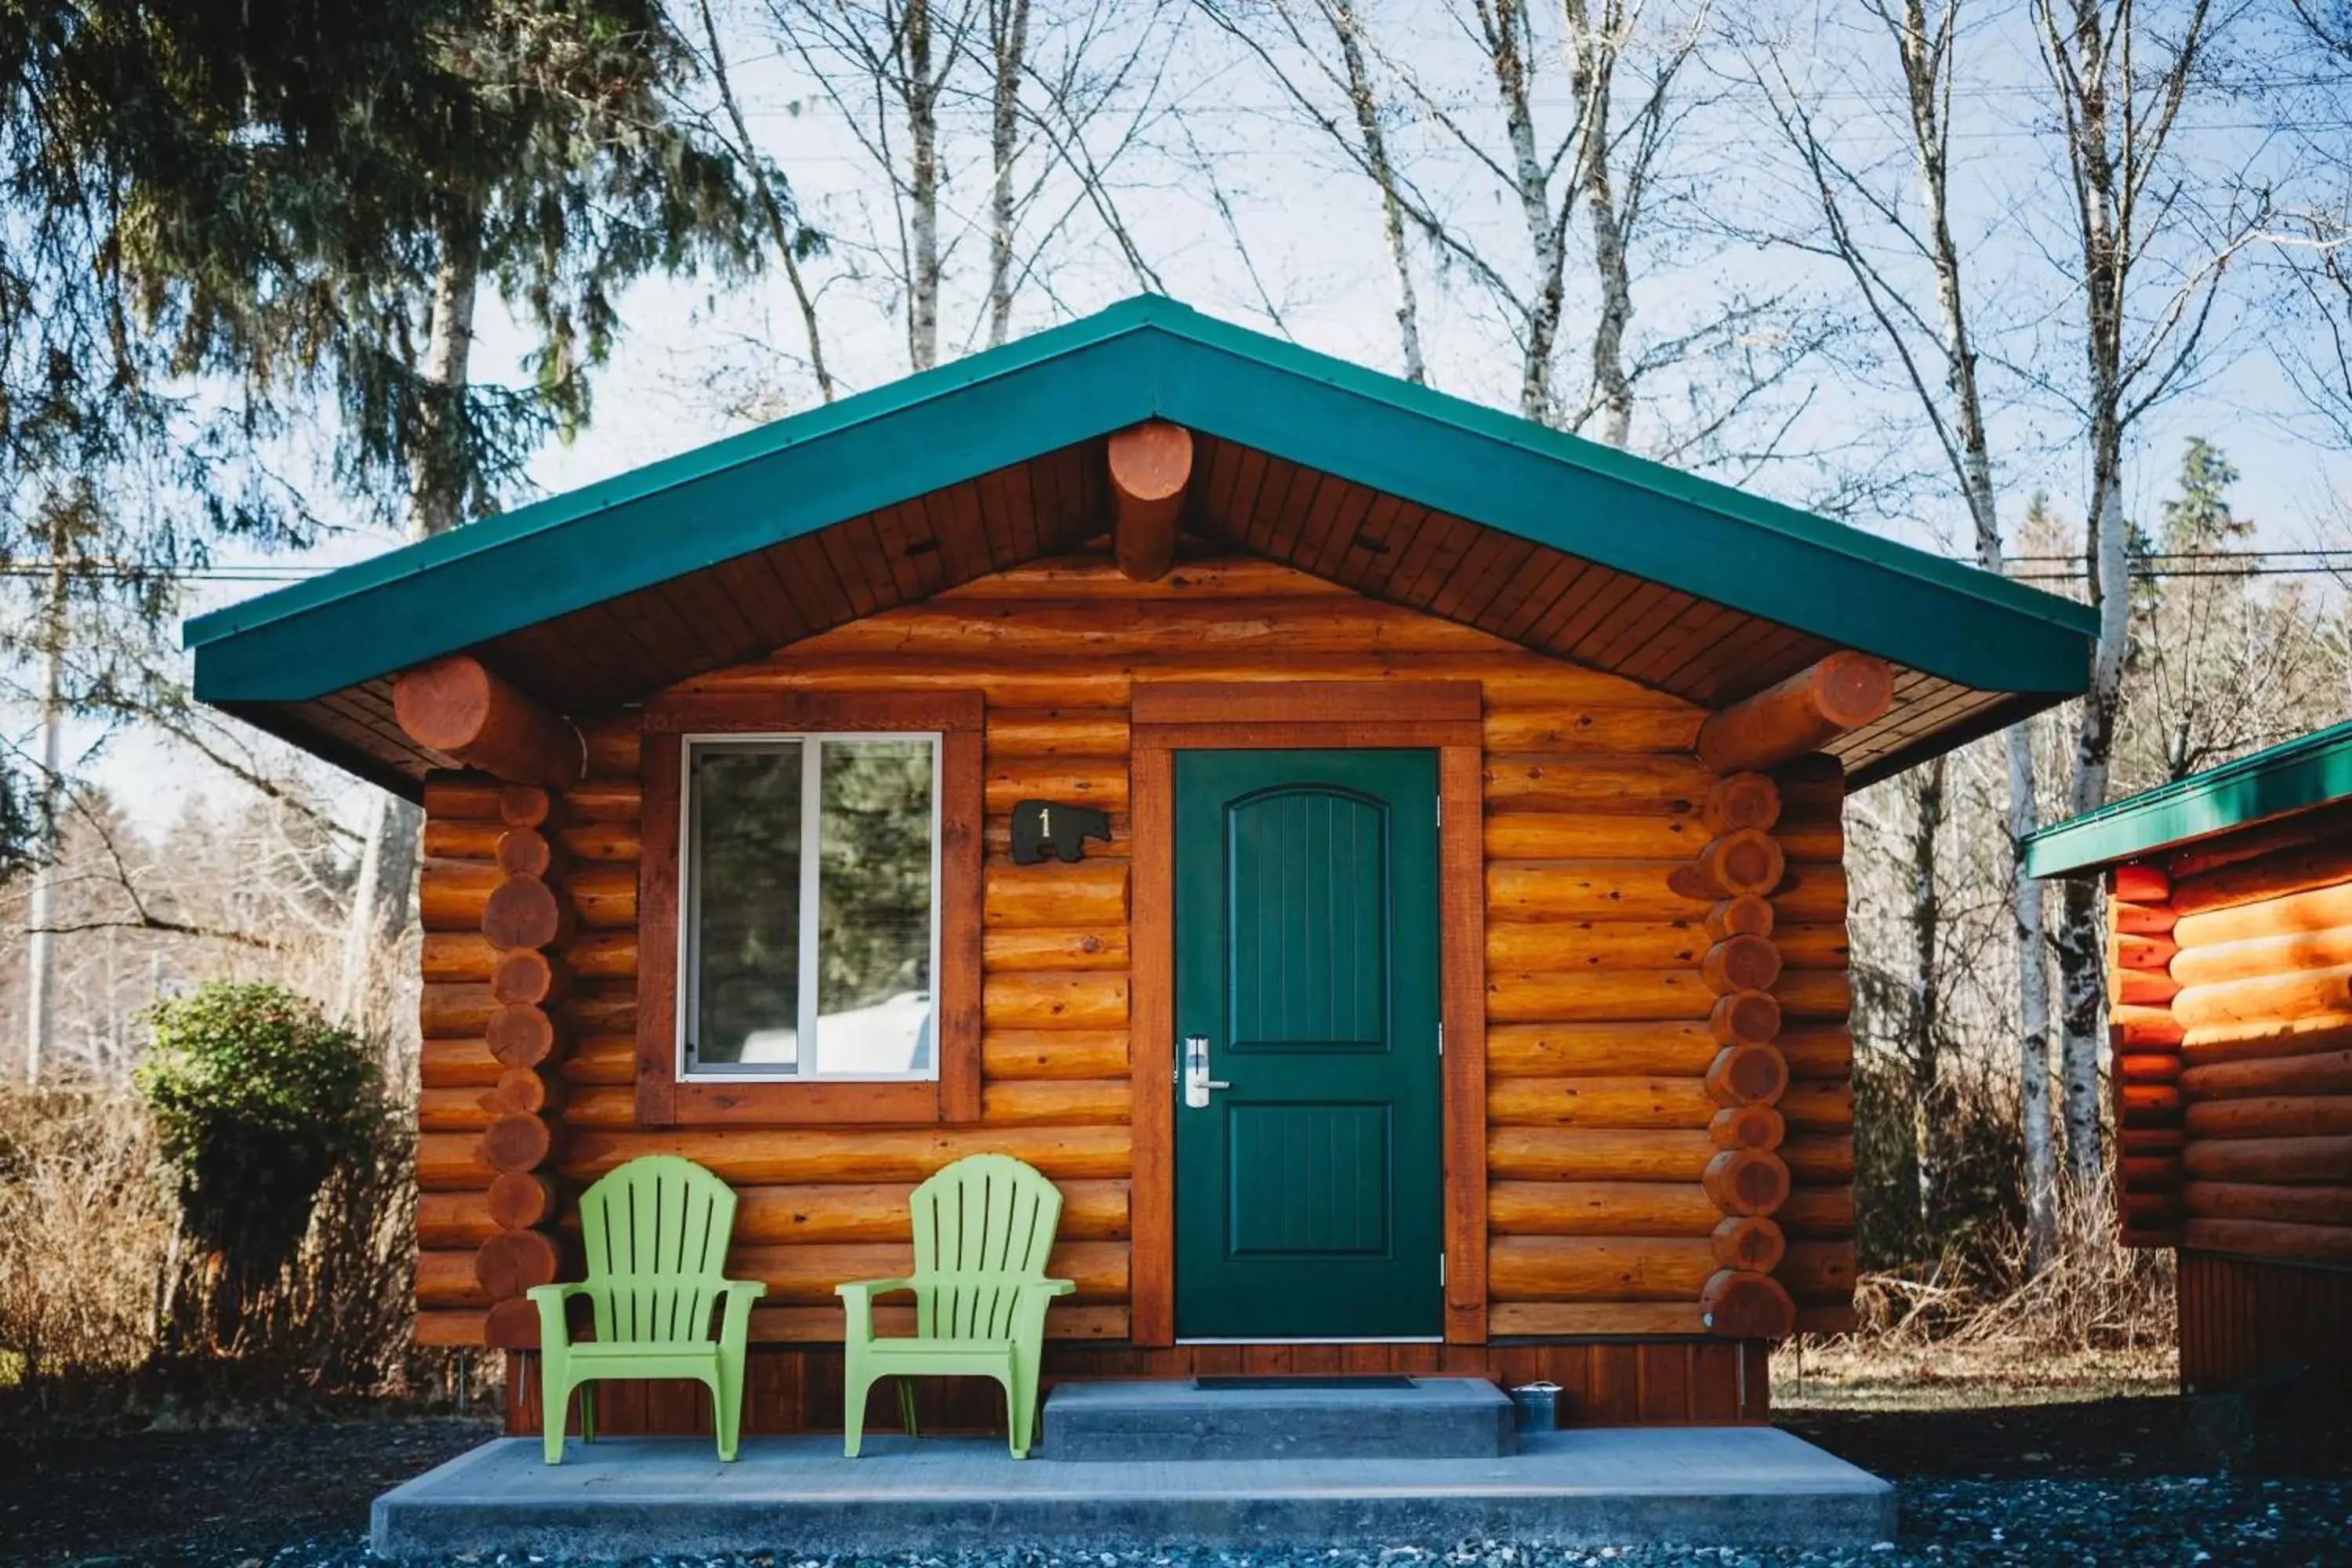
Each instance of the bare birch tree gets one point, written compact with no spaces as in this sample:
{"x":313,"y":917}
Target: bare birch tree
{"x":1908,"y":269}
{"x":1034,"y":105}
{"x":1365,"y":140}
{"x":2120,"y":80}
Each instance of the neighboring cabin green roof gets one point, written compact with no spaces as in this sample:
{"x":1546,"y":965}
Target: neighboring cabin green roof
{"x":2293,"y":777}
{"x":1146,"y":357}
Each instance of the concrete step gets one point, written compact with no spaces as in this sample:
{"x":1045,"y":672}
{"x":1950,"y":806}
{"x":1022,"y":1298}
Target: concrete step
{"x":1280,"y":1418}
{"x":1746,"y":1487}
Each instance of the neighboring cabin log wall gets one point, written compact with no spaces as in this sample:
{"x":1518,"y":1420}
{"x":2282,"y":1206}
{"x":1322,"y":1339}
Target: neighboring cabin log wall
{"x":1598,"y":1034}
{"x":2230,"y":981}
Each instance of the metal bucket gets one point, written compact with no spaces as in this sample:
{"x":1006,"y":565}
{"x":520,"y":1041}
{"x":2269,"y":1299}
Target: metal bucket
{"x":1536,"y":1407}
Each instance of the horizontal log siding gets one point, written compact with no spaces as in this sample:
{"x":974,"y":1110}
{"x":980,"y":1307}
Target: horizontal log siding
{"x":2234,"y":1088}
{"x":1597,"y":1024}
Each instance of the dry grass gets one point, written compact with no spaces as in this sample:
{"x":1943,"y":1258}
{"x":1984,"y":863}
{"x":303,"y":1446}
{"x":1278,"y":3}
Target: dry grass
{"x":106,"y":1316}
{"x":85,"y":1233}
{"x":1982,"y":1329}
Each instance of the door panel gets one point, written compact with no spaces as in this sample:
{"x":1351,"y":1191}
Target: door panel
{"x":1308,"y":1193}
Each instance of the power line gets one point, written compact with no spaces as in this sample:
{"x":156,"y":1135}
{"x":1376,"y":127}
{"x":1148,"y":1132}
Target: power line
{"x":2285,"y":562}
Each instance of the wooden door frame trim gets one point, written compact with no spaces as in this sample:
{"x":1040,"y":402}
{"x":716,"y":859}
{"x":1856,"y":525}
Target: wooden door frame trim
{"x":1416,"y":715}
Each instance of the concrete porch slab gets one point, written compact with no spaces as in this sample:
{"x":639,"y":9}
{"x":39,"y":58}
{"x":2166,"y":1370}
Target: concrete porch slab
{"x":1720,"y":1485}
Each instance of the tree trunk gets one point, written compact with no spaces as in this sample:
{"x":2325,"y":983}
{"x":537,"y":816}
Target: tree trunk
{"x":1376,"y":158}
{"x":1926,"y":981}
{"x":1505,"y":26}
{"x":40,"y":975}
{"x":387,"y":868}
{"x":2107,"y":262}
{"x":1592,"y":57}
{"x":1925,"y":50}
{"x":771,"y":204}
{"x":2082,"y":946}
{"x":1008,"y":26}
{"x":437,"y":468}
{"x":2033,"y":1009}
{"x":920,"y":91}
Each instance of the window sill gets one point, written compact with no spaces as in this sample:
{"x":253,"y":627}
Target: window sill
{"x":692,"y":1102}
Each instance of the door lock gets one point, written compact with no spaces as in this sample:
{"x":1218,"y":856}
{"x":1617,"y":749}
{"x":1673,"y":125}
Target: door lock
{"x":1197,"y":1081}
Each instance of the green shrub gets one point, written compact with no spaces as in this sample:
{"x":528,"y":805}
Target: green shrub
{"x":257,"y":1099}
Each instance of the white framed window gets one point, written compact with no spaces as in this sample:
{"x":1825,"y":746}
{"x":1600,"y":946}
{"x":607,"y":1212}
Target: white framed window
{"x":808,"y":907}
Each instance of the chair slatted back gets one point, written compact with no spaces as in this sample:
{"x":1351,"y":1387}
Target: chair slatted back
{"x":655,"y":1232}
{"x":983,"y":1228}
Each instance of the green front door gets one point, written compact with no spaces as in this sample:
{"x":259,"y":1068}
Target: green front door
{"x":1308,"y":1187}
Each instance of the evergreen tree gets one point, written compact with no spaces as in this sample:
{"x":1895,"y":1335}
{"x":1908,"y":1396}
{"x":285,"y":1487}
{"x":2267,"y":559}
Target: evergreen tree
{"x":219,"y":224}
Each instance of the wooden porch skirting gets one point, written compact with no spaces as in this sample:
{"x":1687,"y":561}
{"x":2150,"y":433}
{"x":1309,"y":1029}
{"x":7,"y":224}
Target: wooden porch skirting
{"x":2240,"y":1317}
{"x":1603,"y":1382}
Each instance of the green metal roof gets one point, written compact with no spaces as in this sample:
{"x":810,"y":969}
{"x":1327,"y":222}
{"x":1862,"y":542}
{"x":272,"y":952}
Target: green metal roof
{"x":1144,"y":357}
{"x":2289,"y":777}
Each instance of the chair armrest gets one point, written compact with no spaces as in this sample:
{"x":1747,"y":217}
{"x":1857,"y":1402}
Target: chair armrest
{"x":857,"y":1302}
{"x":554,"y":1333}
{"x":1029,"y":1311}
{"x":735,"y":1325}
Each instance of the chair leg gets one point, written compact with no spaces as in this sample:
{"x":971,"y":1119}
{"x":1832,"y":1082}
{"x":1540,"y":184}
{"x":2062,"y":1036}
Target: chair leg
{"x":908,"y":1411}
{"x":726,"y":1414}
{"x":855,"y":1382}
{"x":1016,"y":1416}
{"x":554,"y":1395}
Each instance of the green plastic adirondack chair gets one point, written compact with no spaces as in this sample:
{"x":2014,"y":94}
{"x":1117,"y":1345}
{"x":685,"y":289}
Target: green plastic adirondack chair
{"x":656,"y":1235}
{"x":983,"y":1228}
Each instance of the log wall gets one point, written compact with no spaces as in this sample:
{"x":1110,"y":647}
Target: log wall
{"x":2230,"y":982}
{"x":1602,"y":1124}
{"x":2234,"y":1035}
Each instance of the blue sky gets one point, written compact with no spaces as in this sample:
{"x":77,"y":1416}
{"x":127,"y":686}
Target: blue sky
{"x":1240,"y":207}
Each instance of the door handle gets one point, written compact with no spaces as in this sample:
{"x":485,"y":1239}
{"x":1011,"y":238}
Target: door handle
{"x":1197,"y":1081}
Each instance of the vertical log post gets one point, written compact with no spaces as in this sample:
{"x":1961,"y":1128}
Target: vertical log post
{"x":525,"y":921}
{"x":1747,"y":1180}
{"x":1151,"y":464}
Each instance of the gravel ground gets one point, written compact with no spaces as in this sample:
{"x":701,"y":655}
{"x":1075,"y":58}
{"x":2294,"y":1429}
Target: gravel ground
{"x":2102,"y":1482}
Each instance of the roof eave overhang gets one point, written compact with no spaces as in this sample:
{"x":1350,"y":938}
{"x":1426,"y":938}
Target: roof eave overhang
{"x":2203,"y":805}
{"x":1081,"y":382}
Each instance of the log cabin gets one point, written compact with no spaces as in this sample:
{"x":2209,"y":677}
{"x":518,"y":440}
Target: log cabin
{"x":2229,"y":1031}
{"x":1438,"y":961}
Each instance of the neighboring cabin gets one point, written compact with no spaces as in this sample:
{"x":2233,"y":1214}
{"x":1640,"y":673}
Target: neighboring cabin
{"x":1474,"y":801}
{"x":2229,"y":985}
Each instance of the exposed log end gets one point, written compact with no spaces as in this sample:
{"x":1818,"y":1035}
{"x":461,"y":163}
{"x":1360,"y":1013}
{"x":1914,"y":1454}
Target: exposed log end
{"x":2142,"y":884}
{"x":513,"y":1261}
{"x":519,"y":1199}
{"x":516,"y":1143}
{"x":1746,"y":1075}
{"x":1747,"y":1305}
{"x":523,"y":912}
{"x":1750,"y":1242}
{"x":1747,"y":1181}
{"x":1745,"y":1019}
{"x":1800,"y":714}
{"x":519,"y":1091}
{"x":458,"y":707}
{"x":524,"y":977}
{"x":1151,"y":464}
{"x":512,"y":1325}
{"x":1744,"y":860}
{"x":1740,"y":963}
{"x":1742,"y":800}
{"x":1745,"y":915}
{"x":520,"y":1037}
{"x":1748,"y":1127}
{"x":524,"y":852}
